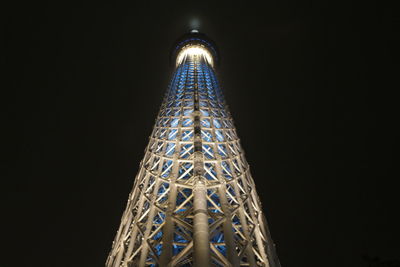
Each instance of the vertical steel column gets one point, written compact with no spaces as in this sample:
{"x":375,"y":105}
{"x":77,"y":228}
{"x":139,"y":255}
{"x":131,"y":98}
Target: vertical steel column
{"x":201,"y":240}
{"x":227,"y":226}
{"x":168,"y":229}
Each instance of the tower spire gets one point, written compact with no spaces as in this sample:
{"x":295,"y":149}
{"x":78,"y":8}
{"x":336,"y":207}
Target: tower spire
{"x":194,"y":202}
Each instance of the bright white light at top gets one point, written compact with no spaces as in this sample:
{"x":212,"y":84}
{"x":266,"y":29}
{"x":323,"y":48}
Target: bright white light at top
{"x":194,"y":50}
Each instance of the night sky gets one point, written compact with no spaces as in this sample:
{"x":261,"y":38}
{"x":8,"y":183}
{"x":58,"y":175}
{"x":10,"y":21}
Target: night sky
{"x":310,"y":86}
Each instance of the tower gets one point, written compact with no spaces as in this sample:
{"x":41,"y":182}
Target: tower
{"x":194,"y":202}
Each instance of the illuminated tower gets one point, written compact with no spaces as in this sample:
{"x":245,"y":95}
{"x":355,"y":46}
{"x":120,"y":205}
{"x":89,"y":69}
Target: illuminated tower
{"x":194,"y":202}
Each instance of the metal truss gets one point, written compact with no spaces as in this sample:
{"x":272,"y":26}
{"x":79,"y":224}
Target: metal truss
{"x":194,"y":202}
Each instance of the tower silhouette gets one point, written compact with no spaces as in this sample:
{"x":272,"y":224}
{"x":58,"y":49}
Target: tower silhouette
{"x":194,"y":202}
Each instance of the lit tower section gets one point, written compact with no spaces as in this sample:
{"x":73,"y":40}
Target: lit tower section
{"x":194,"y":202}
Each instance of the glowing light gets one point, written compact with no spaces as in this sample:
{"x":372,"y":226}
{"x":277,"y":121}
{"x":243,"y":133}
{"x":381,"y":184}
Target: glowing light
{"x":194,"y":50}
{"x":194,"y":23}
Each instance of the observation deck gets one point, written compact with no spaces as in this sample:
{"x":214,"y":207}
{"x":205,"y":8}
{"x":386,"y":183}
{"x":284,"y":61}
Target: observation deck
{"x":197,"y":43}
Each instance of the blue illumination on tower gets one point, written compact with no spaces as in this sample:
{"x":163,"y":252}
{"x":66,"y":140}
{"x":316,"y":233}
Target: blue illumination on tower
{"x":194,"y":185}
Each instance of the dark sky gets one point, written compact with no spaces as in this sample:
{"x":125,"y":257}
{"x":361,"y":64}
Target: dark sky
{"x":310,"y":86}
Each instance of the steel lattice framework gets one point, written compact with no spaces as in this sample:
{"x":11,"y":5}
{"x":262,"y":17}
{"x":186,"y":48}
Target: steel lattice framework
{"x":194,"y":202}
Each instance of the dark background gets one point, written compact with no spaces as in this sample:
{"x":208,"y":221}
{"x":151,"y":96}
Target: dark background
{"x":310,"y":86}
